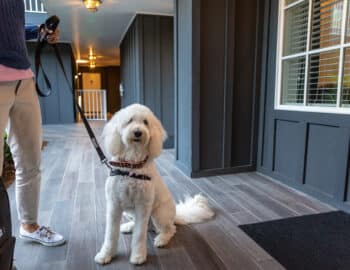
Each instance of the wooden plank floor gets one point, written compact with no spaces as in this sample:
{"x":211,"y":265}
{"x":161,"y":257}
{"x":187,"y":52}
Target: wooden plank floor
{"x":72,"y":202}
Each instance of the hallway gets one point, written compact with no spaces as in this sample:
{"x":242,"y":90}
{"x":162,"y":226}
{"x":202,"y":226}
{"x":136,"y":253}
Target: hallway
{"x":73,"y":203}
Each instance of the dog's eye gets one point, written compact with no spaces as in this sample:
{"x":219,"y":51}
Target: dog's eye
{"x":130,"y":121}
{"x":145,"y":122}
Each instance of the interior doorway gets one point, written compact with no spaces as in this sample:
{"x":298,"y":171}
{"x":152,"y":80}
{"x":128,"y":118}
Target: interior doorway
{"x":91,"y":81}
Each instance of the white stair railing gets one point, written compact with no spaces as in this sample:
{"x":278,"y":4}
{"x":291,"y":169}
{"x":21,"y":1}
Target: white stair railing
{"x":35,"y":6}
{"x":94,"y":103}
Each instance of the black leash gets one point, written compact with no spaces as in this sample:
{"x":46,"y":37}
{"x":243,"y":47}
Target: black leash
{"x":41,"y":44}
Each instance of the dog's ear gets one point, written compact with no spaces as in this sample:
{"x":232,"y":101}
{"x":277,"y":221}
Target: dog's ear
{"x":112,"y":137}
{"x":158,"y":136}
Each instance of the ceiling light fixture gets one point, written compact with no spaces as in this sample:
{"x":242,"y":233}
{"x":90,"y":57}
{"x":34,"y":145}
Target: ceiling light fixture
{"x":92,"y":5}
{"x":92,"y":58}
{"x":92,"y":65}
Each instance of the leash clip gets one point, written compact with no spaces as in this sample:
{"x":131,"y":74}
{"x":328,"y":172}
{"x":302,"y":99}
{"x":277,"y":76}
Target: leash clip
{"x":105,"y":162}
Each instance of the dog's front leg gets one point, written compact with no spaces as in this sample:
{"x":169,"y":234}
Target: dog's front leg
{"x":139,"y":236}
{"x":109,"y":247}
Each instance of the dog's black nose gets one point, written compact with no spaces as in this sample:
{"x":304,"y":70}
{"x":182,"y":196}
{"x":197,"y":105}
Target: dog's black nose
{"x":137,"y":134}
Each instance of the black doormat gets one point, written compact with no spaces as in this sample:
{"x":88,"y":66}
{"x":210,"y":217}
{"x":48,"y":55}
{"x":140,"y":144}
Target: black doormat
{"x":314,"y":242}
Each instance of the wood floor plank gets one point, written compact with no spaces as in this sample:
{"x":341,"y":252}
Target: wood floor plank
{"x":297,"y":195}
{"x":152,"y":259}
{"x":280,"y":209}
{"x":174,"y":256}
{"x":69,"y":181}
{"x":244,"y":217}
{"x":61,"y":221}
{"x":201,"y":253}
{"x":271,"y":265}
{"x":82,"y":239}
{"x":253,"y":206}
{"x":279,"y":193}
{"x":51,"y":266}
{"x":224,"y":246}
{"x":241,"y":239}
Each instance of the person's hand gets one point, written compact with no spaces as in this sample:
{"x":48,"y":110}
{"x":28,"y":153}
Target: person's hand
{"x":52,"y":37}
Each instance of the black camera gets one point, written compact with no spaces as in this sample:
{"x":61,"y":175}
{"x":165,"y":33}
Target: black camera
{"x":50,"y":24}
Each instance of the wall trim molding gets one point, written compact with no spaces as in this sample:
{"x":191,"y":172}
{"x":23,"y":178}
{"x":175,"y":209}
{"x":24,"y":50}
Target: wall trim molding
{"x":231,"y":170}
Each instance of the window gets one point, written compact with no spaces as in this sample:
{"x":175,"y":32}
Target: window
{"x":35,"y":6}
{"x":313,"y":56}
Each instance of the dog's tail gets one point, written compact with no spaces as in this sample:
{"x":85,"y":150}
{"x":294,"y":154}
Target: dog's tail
{"x":193,"y":210}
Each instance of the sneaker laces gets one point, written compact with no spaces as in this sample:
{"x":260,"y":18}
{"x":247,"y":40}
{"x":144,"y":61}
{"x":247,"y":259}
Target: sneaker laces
{"x":45,"y":232}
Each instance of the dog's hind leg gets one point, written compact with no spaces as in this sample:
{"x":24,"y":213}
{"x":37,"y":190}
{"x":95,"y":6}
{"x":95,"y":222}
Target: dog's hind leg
{"x":109,"y":247}
{"x":163,"y":221}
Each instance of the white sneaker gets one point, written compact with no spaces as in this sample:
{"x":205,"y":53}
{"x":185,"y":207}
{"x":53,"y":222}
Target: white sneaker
{"x":44,"y":236}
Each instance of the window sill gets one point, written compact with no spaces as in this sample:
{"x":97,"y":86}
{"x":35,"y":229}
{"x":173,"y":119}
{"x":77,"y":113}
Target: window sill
{"x":314,"y":109}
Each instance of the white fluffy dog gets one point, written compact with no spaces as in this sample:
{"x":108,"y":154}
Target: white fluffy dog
{"x":134,"y":138}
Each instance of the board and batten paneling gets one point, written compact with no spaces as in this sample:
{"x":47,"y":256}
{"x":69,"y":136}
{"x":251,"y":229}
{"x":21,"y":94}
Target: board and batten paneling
{"x":306,"y":150}
{"x":130,"y":67}
{"x":58,"y":108}
{"x":217,"y":85}
{"x":147,"y":68}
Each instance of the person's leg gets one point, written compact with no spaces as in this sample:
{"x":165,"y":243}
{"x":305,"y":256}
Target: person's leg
{"x":7,"y":97}
{"x":25,"y":142}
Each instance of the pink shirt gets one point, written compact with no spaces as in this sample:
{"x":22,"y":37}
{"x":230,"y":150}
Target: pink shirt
{"x":11,"y":74}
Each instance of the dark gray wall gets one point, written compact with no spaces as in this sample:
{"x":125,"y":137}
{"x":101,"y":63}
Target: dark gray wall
{"x":309,"y":151}
{"x":217,"y":82}
{"x":58,"y":108}
{"x":147,"y":68}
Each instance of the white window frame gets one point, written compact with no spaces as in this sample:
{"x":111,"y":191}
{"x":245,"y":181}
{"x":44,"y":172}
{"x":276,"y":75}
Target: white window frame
{"x":280,"y":37}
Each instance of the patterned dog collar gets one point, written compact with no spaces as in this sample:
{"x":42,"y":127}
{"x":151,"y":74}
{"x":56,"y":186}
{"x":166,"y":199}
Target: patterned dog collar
{"x":128,"y":164}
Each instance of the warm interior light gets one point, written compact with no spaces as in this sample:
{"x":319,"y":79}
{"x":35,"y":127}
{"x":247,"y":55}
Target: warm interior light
{"x":92,"y":58}
{"x":82,"y":61}
{"x":92,"y":5}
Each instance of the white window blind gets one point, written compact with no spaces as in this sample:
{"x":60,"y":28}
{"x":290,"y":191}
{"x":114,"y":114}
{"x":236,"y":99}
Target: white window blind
{"x":313,"y":67}
{"x":323,"y":78}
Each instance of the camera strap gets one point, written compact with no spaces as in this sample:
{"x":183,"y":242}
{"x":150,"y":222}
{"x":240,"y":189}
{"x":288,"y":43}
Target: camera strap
{"x":38,"y":65}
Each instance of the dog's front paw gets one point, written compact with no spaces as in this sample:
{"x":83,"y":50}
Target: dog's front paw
{"x":138,"y":258}
{"x":102,"y":258}
{"x":127,"y":227}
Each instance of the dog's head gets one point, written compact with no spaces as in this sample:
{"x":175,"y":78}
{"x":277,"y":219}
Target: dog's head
{"x":134,"y":131}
